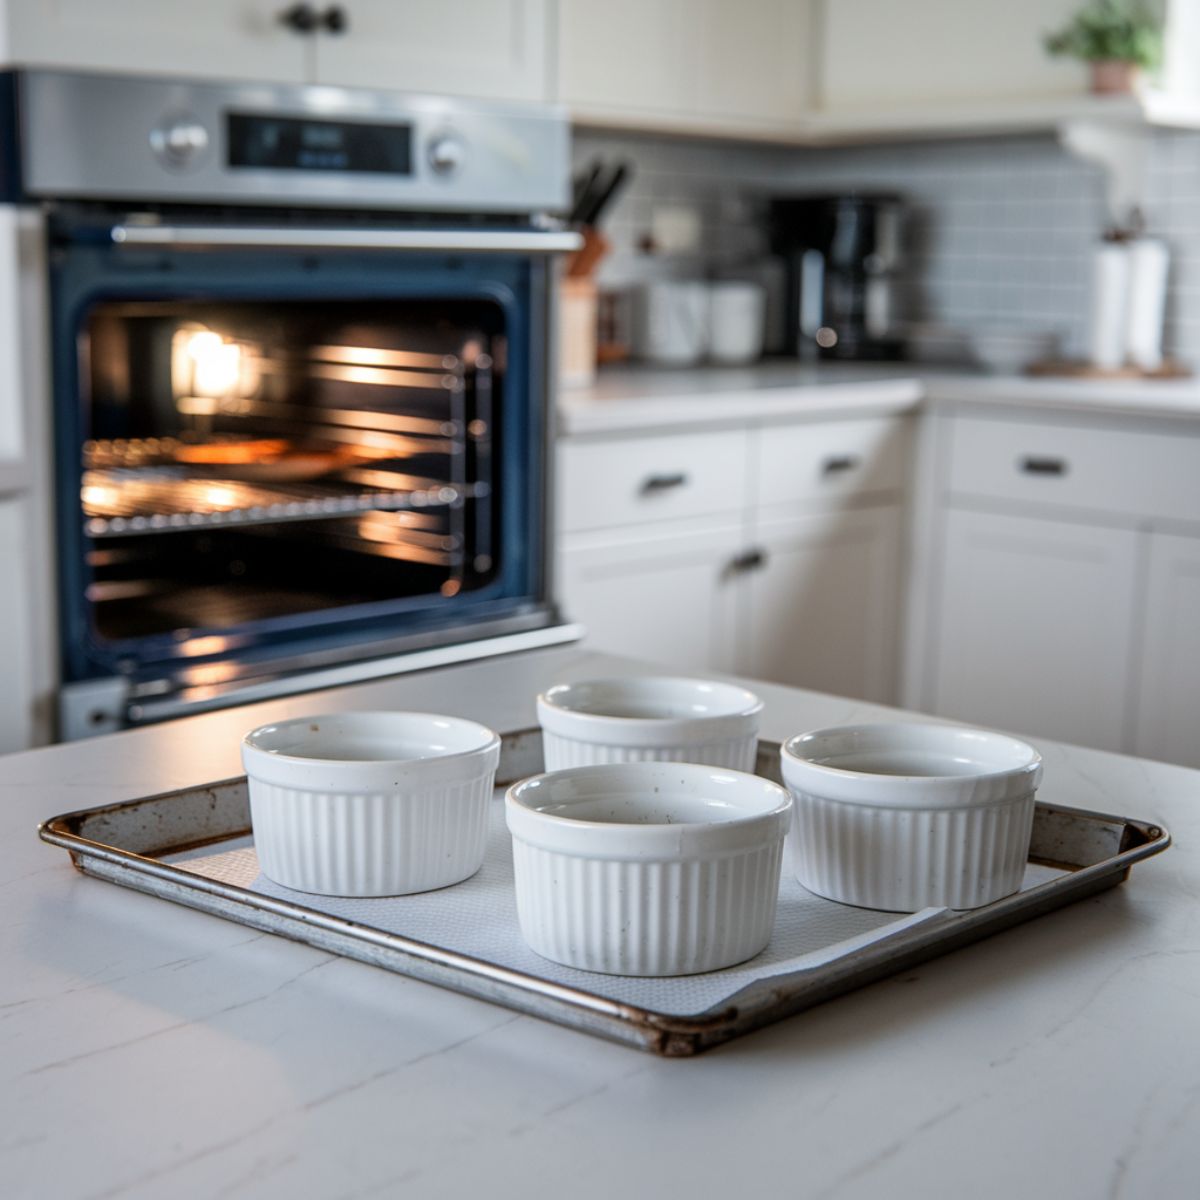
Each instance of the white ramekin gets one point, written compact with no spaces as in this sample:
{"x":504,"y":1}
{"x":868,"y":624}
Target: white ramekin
{"x":647,"y":868}
{"x":649,"y":719}
{"x":903,"y":817}
{"x":370,"y":804}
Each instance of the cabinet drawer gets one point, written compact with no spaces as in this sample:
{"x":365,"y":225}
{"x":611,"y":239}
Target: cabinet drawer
{"x":625,"y":482}
{"x":1127,"y":472}
{"x":832,"y":460}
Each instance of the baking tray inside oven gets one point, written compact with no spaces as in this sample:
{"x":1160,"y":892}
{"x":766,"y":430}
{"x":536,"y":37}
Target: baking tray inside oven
{"x":194,"y":847}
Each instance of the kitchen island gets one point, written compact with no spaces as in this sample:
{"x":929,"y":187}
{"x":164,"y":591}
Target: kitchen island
{"x":149,"y":1050}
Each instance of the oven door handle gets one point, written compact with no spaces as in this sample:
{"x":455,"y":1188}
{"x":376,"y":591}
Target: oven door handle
{"x":472,"y":241}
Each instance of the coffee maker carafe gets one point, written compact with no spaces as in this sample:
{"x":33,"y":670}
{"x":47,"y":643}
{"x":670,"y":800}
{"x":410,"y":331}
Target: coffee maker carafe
{"x":842,"y":258}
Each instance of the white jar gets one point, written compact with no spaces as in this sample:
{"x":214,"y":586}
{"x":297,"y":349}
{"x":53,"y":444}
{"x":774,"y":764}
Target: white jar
{"x":671,"y":322}
{"x":736,"y":321}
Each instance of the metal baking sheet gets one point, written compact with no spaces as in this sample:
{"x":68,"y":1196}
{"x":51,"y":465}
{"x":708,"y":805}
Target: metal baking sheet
{"x":194,"y":847}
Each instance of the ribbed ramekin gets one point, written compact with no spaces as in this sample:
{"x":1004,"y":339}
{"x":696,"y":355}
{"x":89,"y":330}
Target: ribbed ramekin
{"x":647,"y":868}
{"x":649,"y":719}
{"x":903,"y":817}
{"x":370,"y":804}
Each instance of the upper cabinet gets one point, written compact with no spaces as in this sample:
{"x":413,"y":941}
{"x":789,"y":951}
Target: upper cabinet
{"x":489,"y":48}
{"x":691,"y":65}
{"x":816,"y":71}
{"x":877,"y":53}
{"x":221,"y":39}
{"x":799,"y":71}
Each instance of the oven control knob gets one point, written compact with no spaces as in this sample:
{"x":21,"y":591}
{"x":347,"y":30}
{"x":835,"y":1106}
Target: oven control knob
{"x":446,"y":154}
{"x":179,"y":142}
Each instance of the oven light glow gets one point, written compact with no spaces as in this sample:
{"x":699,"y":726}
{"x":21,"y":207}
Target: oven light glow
{"x":218,"y":497}
{"x":99,"y":499}
{"x":206,"y":367}
{"x":208,"y":674}
{"x":201,"y":647}
{"x":217,"y":364}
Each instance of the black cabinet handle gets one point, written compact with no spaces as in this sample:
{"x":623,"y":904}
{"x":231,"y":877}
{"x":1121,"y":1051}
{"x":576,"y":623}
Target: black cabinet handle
{"x":839,"y":463}
{"x":336,"y":19}
{"x":1044,"y":466}
{"x":300,"y":18}
{"x":304,"y":18}
{"x":662,"y":483}
{"x":750,"y":560}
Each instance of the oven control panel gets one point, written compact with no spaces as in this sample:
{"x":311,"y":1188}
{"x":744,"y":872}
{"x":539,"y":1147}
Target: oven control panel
{"x":117,"y":137}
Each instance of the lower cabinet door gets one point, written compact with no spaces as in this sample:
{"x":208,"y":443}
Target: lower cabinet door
{"x":673,"y":600}
{"x":1168,"y":724}
{"x":824,"y":605}
{"x":1035,"y":627}
{"x":18,"y":637}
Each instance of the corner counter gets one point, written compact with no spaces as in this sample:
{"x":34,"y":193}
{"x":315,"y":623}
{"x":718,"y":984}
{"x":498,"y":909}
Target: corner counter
{"x":643,"y":399}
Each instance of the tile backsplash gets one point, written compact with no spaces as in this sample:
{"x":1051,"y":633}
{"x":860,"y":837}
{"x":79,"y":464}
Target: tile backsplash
{"x":1001,"y":229}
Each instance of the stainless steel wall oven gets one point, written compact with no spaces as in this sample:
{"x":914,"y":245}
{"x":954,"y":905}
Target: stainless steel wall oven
{"x":301,"y":375}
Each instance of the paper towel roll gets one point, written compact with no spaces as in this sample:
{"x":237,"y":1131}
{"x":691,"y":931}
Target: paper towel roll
{"x":1107,"y":329}
{"x":1148,"y":265}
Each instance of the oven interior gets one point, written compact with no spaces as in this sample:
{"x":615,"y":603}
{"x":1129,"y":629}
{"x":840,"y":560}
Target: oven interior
{"x":277,"y":463}
{"x":249,"y":464}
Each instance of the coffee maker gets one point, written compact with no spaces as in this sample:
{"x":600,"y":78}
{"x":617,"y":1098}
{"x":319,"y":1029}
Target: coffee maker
{"x":842,"y":258}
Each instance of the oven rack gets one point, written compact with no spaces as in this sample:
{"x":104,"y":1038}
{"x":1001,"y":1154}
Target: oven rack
{"x":142,"y":507}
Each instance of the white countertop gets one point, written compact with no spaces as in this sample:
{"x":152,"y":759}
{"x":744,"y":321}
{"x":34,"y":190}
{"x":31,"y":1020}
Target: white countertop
{"x":147,"y":1050}
{"x":628,"y":399}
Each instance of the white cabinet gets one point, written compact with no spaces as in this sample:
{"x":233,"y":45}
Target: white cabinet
{"x":772,"y":552}
{"x":18,"y":635}
{"x":224,"y":39}
{"x":878,"y":53}
{"x":1034,"y":625}
{"x":1065,"y":598}
{"x":703,"y":64}
{"x":664,"y":597}
{"x":489,"y":48}
{"x":630,"y":481}
{"x":1168,"y":720}
{"x":634,"y":55}
{"x":823,"y":605}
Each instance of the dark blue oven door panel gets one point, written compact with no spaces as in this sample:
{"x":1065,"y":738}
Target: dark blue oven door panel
{"x":146,"y":593}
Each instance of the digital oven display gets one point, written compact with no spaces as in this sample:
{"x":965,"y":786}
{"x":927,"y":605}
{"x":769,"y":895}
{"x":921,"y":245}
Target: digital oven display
{"x":298,"y":144}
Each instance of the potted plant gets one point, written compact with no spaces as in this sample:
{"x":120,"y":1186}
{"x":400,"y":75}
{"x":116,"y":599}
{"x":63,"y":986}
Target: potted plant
{"x":1117,"y":39}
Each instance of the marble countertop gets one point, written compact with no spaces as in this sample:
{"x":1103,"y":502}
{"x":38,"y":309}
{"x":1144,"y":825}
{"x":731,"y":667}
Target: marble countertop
{"x":630,"y":399}
{"x":148,"y":1050}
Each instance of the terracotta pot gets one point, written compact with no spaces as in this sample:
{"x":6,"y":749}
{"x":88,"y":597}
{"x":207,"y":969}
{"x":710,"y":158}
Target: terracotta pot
{"x":1112,"y":77}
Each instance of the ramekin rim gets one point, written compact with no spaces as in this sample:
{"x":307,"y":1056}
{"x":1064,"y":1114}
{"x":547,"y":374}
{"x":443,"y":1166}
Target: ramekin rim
{"x":278,"y":756}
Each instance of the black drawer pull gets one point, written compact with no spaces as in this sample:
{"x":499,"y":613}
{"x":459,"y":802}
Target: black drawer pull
{"x":749,"y":560}
{"x":1044,"y":466}
{"x":304,"y":18}
{"x":834,"y":466}
{"x":300,"y":18}
{"x":662,"y":483}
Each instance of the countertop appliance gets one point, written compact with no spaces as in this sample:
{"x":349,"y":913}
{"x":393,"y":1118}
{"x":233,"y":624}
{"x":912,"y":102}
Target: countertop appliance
{"x":299,"y":382}
{"x":842,"y":256}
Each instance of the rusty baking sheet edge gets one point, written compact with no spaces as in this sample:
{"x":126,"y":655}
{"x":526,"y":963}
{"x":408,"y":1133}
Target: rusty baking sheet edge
{"x":760,"y":1003}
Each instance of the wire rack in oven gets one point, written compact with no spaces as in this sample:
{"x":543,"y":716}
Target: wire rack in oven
{"x":122,"y":503}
